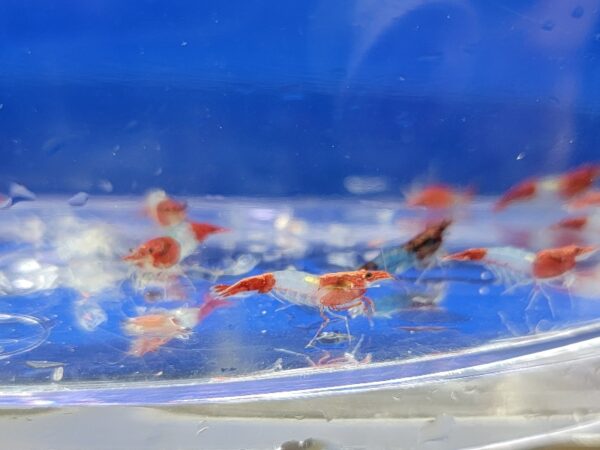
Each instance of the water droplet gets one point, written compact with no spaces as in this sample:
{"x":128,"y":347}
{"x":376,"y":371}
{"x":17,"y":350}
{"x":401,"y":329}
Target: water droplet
{"x":484,"y":290}
{"x":79,"y":199}
{"x":184,"y":43}
{"x":486,"y":276}
{"x":548,"y":25}
{"x":57,"y":374}
{"x":105,"y":185}
{"x":520,"y":156}
{"x":577,"y":12}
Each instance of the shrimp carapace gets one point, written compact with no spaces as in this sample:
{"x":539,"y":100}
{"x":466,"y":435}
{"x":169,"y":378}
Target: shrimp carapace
{"x":427,"y":242}
{"x":159,"y":253}
{"x":417,"y":250}
{"x":555,"y":262}
{"x":439,"y":196}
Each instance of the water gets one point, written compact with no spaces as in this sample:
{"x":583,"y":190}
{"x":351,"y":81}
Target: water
{"x":67,"y":295}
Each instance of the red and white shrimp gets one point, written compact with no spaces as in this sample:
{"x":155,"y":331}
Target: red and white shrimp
{"x":513,"y":264}
{"x":190,"y":235}
{"x":590,"y":199}
{"x":166,"y":251}
{"x":151,"y":331}
{"x":521,"y":267}
{"x":164,"y":210}
{"x":331,"y":292}
{"x":563,"y":187}
{"x":439,"y":196}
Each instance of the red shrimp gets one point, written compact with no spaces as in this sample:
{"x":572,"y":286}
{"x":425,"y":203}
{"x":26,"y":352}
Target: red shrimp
{"x":439,"y":196}
{"x":331,"y":292}
{"x":563,"y":186}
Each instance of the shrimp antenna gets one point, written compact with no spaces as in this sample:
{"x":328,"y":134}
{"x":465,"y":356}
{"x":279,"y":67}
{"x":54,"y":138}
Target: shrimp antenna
{"x":383,"y":259}
{"x":434,"y":279}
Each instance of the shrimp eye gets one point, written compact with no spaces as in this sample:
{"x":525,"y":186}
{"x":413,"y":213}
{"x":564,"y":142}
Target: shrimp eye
{"x":368,"y":275}
{"x":150,"y":250}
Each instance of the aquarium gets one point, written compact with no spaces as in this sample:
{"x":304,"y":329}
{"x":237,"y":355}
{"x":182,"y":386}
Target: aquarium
{"x":320,"y":225}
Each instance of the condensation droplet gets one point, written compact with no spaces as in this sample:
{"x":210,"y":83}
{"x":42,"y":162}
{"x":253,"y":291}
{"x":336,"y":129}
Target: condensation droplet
{"x":105,"y":185}
{"x":79,"y":199}
{"x":548,"y":25}
{"x":57,"y":374}
{"x":577,"y":12}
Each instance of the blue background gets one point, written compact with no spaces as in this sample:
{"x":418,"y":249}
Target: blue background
{"x":284,"y":98}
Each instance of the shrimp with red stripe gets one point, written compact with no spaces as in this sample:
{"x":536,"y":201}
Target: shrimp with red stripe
{"x":152,"y":331}
{"x":521,"y":267}
{"x":439,"y":196}
{"x":329,"y":293}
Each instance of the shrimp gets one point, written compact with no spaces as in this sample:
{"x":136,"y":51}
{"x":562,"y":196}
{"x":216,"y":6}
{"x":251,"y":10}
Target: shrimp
{"x":164,"y":210}
{"x":586,"y":200}
{"x":563,"y":186}
{"x":166,"y":251}
{"x":439,"y":196}
{"x":585,"y":228}
{"x":158,"y":253}
{"x":332,"y":292}
{"x":152,"y":331}
{"x":191,"y":234}
{"x":521,"y":267}
{"x":415,"y":252}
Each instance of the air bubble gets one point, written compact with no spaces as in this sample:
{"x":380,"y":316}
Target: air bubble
{"x":484,"y":290}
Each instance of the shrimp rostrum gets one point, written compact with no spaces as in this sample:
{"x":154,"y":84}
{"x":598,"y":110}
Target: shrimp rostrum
{"x":330,"y":293}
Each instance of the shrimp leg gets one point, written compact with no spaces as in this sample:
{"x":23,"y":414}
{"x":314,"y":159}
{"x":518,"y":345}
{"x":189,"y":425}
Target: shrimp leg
{"x":534,"y":294}
{"x":325,"y":322}
{"x":345,"y":319}
{"x":549,"y":300}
